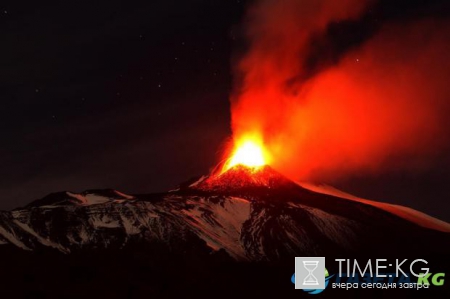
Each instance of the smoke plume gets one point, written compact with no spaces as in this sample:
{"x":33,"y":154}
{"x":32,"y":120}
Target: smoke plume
{"x":333,"y":90}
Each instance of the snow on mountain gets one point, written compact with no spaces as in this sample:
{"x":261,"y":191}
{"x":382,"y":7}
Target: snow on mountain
{"x":251,"y":216}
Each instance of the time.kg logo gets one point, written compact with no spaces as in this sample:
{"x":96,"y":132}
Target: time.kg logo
{"x":310,"y":274}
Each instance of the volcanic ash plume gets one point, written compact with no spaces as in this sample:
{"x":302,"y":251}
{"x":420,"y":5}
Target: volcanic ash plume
{"x":322,"y":108}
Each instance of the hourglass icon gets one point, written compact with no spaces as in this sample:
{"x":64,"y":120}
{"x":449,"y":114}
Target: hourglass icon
{"x":310,"y":279}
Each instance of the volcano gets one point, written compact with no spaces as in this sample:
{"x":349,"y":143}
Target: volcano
{"x":236,"y":223}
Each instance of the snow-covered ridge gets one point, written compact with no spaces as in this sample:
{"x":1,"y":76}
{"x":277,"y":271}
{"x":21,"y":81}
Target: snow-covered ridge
{"x":266,"y":218}
{"x":89,"y":197}
{"x":95,"y":220}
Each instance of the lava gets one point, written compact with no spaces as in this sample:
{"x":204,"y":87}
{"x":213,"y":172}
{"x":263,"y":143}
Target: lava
{"x":240,"y":179}
{"x":248,"y":151}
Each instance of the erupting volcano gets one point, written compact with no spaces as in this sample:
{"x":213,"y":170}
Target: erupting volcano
{"x":246,"y":223}
{"x":315,"y":96}
{"x":247,"y":166}
{"x":248,"y":152}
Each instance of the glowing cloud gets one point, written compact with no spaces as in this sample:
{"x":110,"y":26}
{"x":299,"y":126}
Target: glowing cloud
{"x":381,"y":104}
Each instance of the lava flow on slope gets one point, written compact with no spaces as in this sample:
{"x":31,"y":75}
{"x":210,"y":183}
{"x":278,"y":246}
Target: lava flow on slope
{"x":242,"y":177}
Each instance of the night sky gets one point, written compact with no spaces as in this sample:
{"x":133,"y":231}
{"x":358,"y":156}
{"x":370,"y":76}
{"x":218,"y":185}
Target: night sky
{"x":135,"y":96}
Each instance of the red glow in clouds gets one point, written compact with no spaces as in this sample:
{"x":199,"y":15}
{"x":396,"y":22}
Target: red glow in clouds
{"x":382,"y":100}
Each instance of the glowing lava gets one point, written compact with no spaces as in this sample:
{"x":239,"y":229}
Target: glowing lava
{"x":249,"y":152}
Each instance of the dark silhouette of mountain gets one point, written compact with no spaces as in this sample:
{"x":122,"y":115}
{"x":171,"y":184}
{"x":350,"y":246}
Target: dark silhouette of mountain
{"x":234,"y":232}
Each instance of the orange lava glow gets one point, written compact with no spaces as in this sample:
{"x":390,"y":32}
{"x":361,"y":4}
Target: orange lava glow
{"x":248,"y":151}
{"x":378,"y":106}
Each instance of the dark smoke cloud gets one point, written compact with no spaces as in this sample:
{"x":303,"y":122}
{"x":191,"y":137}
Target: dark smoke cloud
{"x":327,"y":47}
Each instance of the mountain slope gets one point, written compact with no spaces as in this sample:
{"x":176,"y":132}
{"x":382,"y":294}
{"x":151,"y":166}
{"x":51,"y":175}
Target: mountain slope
{"x":406,"y":213}
{"x":244,"y":214}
